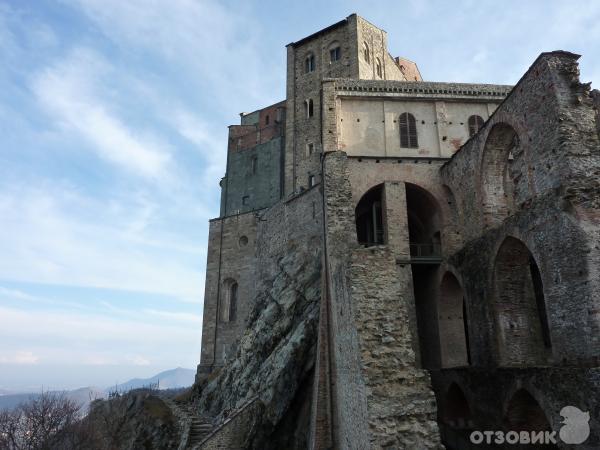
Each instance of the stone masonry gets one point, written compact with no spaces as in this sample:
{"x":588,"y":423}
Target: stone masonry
{"x":399,"y":263}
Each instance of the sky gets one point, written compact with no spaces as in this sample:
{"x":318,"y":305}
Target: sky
{"x":113,"y":136}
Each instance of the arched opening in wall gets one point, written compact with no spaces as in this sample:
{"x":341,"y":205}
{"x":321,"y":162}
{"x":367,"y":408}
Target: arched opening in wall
{"x":424,"y":227}
{"x":498,"y":174}
{"x":522,"y":329}
{"x":369,"y":218}
{"x":524,"y":413}
{"x":229,"y":301}
{"x":453,"y":326}
{"x":457,"y":412}
{"x":366,"y":53}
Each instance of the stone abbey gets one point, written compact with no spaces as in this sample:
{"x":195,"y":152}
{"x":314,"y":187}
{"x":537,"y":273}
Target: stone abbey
{"x":397,"y":262}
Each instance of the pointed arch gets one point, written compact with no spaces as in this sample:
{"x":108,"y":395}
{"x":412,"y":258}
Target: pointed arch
{"x":453,"y":324}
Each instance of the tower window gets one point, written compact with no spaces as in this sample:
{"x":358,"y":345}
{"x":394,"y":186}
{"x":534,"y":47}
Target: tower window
{"x":408,"y":131}
{"x":309,"y":63}
{"x":309,"y":108}
{"x":311,"y":180}
{"x":378,"y":68}
{"x":475,"y":124}
{"x":267,"y":120}
{"x":310,"y":149}
{"x":245,"y":199}
{"x":335,"y":54}
{"x":229,"y":300}
{"x":254,"y":164}
{"x":366,"y":53}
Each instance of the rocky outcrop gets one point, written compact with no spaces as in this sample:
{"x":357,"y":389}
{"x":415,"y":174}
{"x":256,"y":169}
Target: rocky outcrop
{"x":275,"y":357}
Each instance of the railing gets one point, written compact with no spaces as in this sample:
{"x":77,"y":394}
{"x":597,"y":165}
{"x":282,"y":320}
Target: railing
{"x":425,"y":251}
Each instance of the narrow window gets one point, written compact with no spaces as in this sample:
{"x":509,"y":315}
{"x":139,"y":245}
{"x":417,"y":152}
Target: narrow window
{"x":309,"y":63}
{"x":475,"y":124}
{"x":233,"y":295}
{"x":254,"y":164}
{"x":335,"y":54}
{"x":310,"y":149}
{"x":311,"y":180}
{"x":378,"y":68}
{"x":408,"y":131}
{"x":267,"y":120}
{"x":366,"y":53}
{"x":309,"y":108}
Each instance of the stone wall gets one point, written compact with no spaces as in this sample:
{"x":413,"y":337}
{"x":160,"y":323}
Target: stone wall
{"x":231,"y":255}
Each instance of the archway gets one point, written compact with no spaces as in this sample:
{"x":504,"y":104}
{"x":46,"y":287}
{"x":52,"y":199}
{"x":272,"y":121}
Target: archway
{"x":523,"y":333}
{"x":457,"y":412}
{"x":498,"y":174}
{"x":369,"y":218}
{"x":524,"y":413}
{"x":453,"y":325}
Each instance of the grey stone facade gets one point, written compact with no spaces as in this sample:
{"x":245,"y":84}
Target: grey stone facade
{"x":401,"y":296}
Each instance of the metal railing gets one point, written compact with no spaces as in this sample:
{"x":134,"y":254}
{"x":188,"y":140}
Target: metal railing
{"x":425,"y":251}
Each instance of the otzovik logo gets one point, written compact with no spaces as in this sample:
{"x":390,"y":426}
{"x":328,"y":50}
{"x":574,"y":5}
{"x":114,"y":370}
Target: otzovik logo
{"x":575,"y":430}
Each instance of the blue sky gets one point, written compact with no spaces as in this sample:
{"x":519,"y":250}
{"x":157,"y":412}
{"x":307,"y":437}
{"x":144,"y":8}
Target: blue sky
{"x":113,"y":126}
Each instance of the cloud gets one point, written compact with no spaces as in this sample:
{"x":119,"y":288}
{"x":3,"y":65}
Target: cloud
{"x":70,"y":93}
{"x":20,"y":358}
{"x":54,"y":235}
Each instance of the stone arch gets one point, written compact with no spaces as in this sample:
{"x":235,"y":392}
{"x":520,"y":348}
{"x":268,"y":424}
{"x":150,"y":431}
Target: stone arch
{"x":369,"y":217}
{"x":524,"y":413}
{"x":498,"y":174}
{"x":522,"y":329}
{"x":453,"y":324}
{"x":456,"y":412}
{"x":424,"y":220}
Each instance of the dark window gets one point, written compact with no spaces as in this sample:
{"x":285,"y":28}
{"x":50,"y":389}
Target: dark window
{"x":378,"y":68}
{"x":233,"y":294}
{"x":309,"y":108}
{"x":309,"y":64}
{"x":267,"y":120}
{"x":311,"y":180}
{"x":366,"y":53}
{"x":335,"y":54}
{"x":408,"y":131}
{"x":254,"y":164}
{"x":310,"y":148}
{"x":245,"y":200}
{"x":475,"y":124}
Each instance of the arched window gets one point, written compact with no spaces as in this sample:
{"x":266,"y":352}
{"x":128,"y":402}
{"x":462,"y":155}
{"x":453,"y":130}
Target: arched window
{"x":378,"y":69}
{"x":456,"y":412}
{"x":366,"y":53}
{"x":524,"y":413}
{"x":309,"y":63}
{"x":229,"y":299}
{"x":475,"y":124}
{"x":309,"y":108}
{"x":335,"y":52}
{"x":408,"y":131}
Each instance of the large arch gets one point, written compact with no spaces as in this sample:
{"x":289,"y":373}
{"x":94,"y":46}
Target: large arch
{"x":424,"y":221}
{"x":456,"y":412}
{"x":524,"y":413}
{"x":453,"y":325}
{"x":369,"y":218}
{"x":497,"y":174}
{"x":522,"y":329}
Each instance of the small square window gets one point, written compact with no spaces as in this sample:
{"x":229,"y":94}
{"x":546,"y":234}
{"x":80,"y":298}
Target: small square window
{"x":245,"y":199}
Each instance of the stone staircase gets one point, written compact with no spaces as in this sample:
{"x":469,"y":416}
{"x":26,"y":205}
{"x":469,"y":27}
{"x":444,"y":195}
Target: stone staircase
{"x":194,"y":428}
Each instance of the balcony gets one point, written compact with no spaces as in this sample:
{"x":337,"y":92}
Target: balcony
{"x":425,"y":253}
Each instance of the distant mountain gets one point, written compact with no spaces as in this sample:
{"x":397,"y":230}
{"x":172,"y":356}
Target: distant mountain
{"x":81,"y":396}
{"x":169,"y":379}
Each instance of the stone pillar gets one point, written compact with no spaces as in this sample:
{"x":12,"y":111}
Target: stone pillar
{"x":395,"y":219}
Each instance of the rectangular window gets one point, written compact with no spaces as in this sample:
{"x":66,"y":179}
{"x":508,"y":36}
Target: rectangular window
{"x":254,"y":164}
{"x":245,"y":199}
{"x":310,"y":149}
{"x":311,"y":180}
{"x":334,"y":54}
